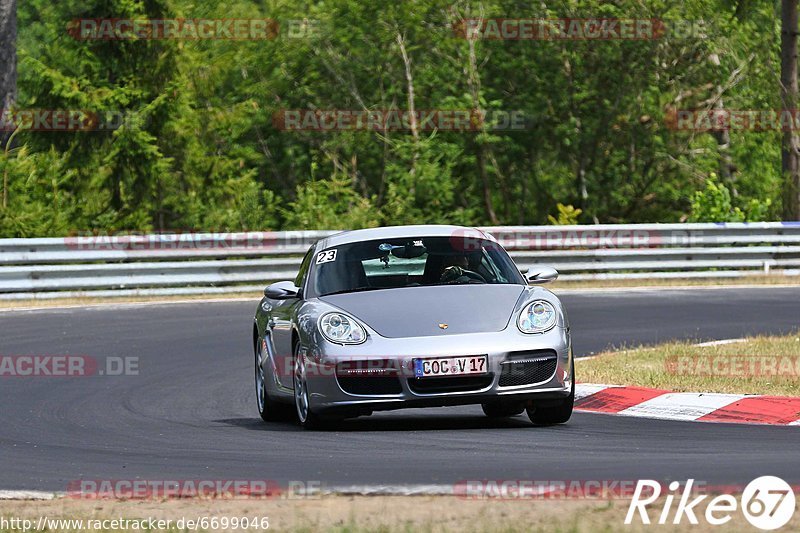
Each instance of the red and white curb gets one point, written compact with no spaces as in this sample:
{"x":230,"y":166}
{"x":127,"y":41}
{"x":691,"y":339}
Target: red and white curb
{"x":701,"y":407}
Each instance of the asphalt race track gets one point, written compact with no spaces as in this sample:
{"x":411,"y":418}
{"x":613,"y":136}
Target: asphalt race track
{"x":190,"y":413}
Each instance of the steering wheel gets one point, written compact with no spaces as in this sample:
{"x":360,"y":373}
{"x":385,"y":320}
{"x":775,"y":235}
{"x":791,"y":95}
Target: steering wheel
{"x":453,"y":273}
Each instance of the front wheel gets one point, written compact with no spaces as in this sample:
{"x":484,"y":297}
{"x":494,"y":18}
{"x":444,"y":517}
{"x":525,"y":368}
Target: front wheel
{"x":307,"y":418}
{"x":550,"y":412}
{"x":502,"y":409}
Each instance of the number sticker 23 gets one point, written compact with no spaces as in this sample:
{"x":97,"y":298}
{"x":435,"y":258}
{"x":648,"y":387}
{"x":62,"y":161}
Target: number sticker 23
{"x":326,"y":256}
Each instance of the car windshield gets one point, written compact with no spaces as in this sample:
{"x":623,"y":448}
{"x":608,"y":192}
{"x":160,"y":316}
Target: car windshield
{"x":411,"y":262}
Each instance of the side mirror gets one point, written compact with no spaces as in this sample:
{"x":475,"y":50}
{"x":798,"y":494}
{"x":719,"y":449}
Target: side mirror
{"x":539,"y":275}
{"x":282,"y":290}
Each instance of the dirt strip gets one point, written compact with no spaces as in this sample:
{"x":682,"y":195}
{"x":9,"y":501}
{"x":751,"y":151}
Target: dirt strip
{"x":377,"y":513}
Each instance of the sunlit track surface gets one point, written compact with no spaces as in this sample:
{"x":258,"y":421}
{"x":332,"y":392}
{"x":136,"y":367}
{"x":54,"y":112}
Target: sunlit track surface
{"x":190,"y":413}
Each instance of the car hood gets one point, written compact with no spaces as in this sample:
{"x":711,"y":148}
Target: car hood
{"x":419,"y":311}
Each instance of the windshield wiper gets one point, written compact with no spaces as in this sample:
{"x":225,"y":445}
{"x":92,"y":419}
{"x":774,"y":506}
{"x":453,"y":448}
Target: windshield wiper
{"x":357,"y":289}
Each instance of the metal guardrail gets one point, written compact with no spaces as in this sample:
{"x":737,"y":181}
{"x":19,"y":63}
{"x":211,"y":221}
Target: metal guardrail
{"x":207,"y":263}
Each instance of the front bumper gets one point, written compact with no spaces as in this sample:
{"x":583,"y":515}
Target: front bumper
{"x":507,"y":352}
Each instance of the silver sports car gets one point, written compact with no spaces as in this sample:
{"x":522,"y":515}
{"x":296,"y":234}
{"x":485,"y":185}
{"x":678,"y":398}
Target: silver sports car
{"x":412,"y":316}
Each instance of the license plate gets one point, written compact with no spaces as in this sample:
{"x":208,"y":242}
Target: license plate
{"x":450,"y":366}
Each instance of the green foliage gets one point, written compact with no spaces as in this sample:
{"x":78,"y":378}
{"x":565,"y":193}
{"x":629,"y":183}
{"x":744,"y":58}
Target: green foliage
{"x":567,"y":215}
{"x":329,"y":203}
{"x":421,"y":186}
{"x":39,"y":188}
{"x":714,"y":204}
{"x":203,"y":152}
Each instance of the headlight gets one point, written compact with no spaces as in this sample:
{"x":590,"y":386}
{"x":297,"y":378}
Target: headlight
{"x":537,"y":317}
{"x":341,"y":329}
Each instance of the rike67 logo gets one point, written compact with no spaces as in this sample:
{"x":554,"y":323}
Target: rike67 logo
{"x":767,"y":502}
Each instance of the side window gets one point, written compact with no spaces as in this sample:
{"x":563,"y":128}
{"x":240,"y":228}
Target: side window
{"x":301,"y":274}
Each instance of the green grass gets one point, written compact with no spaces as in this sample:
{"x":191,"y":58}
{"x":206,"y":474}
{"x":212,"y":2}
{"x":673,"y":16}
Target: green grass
{"x":683,"y":367}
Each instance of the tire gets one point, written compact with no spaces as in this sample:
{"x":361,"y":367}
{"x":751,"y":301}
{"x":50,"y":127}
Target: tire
{"x":550,"y":412}
{"x":502,"y":409}
{"x":308,"y":419}
{"x":268,"y":409}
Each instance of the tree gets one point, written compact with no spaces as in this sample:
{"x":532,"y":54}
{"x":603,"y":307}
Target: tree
{"x":8,"y":53}
{"x":790,"y":149}
{"x":202,"y":149}
{"x":8,"y":71}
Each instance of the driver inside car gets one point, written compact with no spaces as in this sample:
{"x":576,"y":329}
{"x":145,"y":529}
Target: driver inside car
{"x":453,"y":269}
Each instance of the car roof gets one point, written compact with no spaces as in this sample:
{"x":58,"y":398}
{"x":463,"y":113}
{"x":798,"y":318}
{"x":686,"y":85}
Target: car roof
{"x":398,"y":232}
